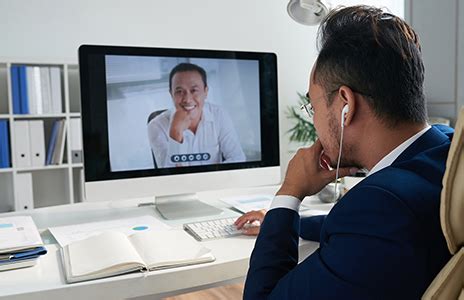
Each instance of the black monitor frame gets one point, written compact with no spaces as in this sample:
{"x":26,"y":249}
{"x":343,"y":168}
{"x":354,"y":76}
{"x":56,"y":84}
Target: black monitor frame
{"x":95,"y":119}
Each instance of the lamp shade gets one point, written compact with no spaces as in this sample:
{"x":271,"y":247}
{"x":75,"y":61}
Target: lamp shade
{"x":307,"y":12}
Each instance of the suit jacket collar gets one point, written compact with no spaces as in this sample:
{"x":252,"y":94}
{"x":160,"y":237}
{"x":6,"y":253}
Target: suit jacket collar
{"x":436,"y":136}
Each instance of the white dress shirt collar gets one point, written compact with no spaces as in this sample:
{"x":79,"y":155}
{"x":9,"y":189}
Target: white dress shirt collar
{"x":390,"y":157}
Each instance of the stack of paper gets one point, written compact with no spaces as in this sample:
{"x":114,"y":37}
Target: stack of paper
{"x":20,"y":243}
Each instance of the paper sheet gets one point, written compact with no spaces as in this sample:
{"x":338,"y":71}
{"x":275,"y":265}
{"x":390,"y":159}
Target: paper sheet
{"x":65,"y":235}
{"x":247,"y":203}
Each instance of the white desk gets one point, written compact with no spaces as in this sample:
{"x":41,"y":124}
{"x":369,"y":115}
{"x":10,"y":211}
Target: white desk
{"x":46,"y":279}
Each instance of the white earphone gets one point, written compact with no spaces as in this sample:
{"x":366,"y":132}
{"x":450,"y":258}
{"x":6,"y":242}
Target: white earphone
{"x":345,"y":110}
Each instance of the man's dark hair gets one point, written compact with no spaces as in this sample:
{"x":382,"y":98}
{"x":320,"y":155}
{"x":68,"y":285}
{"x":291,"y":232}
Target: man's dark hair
{"x":377,"y":55}
{"x":186,"y":67}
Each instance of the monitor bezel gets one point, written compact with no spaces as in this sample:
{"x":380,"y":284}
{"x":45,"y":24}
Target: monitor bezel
{"x":94,"y":111}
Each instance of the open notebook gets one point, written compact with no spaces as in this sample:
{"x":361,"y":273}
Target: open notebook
{"x":113,"y":253}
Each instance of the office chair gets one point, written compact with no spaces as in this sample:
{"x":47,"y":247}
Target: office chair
{"x":449,"y":283}
{"x":151,"y":117}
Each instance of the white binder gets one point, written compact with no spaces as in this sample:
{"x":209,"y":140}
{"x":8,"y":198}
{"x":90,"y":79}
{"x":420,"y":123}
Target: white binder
{"x":22,"y":152}
{"x":38,"y":90}
{"x":24,"y":197}
{"x":55,"y":88}
{"x":37,"y":142}
{"x":76,"y":140}
{"x":31,"y":90}
{"x":46,"y":90}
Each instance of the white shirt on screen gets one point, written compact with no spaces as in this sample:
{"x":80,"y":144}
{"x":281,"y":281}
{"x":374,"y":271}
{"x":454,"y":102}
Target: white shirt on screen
{"x":215,"y":140}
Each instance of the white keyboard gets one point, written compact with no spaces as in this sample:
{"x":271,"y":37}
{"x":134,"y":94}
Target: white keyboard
{"x":213,"y":229}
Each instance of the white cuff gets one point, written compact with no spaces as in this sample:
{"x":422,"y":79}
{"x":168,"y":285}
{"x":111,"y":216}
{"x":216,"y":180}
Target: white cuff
{"x":283,"y":201}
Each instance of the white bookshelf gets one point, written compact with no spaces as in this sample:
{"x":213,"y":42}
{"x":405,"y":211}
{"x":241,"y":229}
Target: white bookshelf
{"x":52,"y":184}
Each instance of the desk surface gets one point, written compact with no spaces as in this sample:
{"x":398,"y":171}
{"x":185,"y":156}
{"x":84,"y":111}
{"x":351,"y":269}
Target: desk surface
{"x":46,"y":280}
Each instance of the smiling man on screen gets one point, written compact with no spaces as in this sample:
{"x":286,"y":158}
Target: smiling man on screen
{"x":195,"y":128}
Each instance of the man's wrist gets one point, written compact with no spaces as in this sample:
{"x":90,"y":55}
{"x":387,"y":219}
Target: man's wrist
{"x":177,"y":136}
{"x":289,"y":191}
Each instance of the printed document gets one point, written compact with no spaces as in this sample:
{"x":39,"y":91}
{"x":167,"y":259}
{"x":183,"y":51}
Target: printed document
{"x":17,"y":233}
{"x":65,"y":235}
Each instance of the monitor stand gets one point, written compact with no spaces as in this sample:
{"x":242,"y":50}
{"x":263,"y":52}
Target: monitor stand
{"x":183,"y":206}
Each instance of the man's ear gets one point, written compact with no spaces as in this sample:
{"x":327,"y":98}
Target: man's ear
{"x":348,"y":97}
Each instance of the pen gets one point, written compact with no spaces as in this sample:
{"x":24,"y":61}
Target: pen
{"x":6,"y":257}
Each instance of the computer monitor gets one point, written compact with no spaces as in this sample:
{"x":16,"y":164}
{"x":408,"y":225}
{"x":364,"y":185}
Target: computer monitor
{"x":172,"y":122}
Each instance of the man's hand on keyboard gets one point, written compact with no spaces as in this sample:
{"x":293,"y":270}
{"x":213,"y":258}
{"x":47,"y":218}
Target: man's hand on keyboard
{"x":250,"y":222}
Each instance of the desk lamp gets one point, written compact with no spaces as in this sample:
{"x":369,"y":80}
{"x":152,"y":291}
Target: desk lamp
{"x":307,"y":12}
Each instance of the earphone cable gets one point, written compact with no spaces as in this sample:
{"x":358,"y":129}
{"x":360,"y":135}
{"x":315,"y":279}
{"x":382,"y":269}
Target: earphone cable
{"x":338,"y":163}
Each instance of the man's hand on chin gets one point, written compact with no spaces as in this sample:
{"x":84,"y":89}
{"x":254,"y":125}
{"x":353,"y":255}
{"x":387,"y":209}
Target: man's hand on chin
{"x":181,"y":121}
{"x":305,"y":176}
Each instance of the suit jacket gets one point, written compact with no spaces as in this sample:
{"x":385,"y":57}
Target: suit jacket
{"x":382,"y":240}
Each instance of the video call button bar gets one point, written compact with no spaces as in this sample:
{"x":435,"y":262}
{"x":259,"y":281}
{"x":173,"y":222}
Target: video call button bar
{"x":178,"y":158}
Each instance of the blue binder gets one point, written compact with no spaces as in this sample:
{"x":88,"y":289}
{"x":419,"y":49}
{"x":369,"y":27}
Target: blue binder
{"x":51,"y":144}
{"x":15,"y":87}
{"x":4,"y":145}
{"x":23,"y":90}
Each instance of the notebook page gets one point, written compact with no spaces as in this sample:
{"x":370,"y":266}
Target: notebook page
{"x":166,"y":247}
{"x":97,"y":253}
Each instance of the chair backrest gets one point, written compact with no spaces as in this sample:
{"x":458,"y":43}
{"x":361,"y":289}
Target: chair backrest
{"x":155,"y":114}
{"x":449,"y":283}
{"x":151,"y":117}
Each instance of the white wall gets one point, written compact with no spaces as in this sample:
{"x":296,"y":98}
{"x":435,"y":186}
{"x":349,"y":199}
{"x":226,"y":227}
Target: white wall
{"x":54,"y":29}
{"x":440,"y":27}
{"x":460,"y":62}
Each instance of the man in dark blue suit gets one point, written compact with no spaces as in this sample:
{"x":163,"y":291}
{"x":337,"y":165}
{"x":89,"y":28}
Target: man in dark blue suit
{"x":383,"y":239}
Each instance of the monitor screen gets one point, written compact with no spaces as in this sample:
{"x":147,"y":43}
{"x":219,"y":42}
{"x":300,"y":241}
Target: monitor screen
{"x":179,"y":112}
{"x":151,"y":112}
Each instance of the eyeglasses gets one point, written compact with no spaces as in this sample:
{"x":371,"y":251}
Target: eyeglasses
{"x":308,"y":107}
